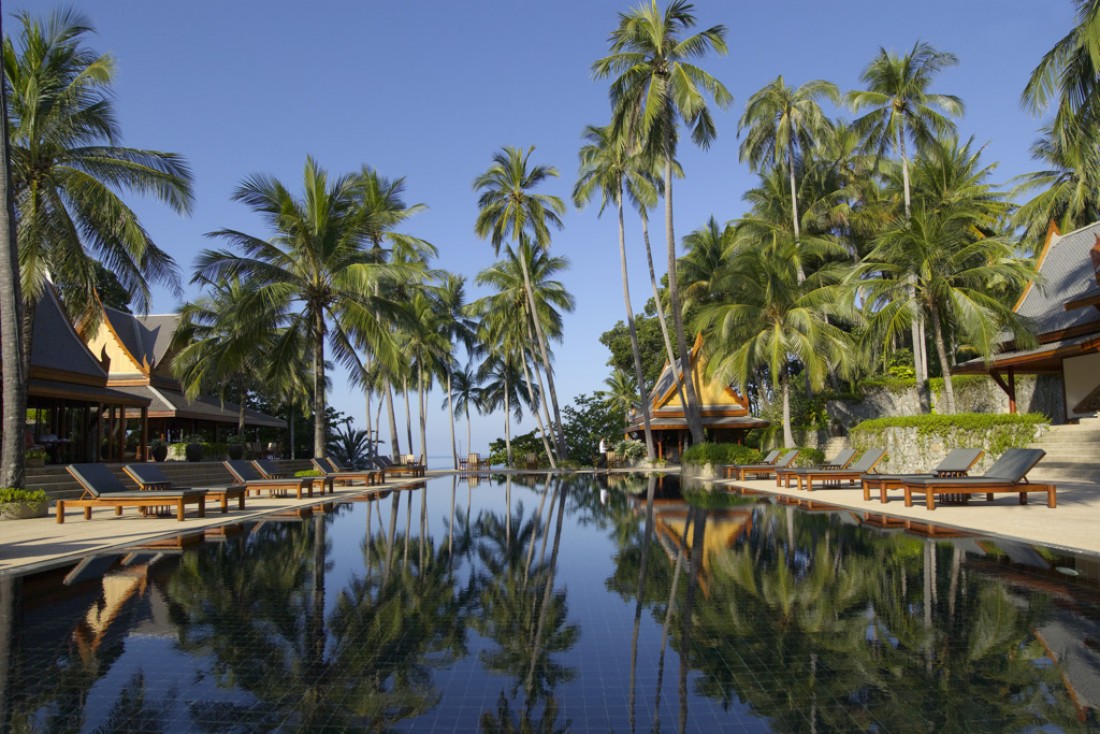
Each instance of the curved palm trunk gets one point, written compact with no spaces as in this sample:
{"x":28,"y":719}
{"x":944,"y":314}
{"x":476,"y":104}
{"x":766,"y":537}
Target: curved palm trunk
{"x":670,"y":353}
{"x":408,"y":412}
{"x":319,"y":385}
{"x":469,"y":429}
{"x":794,"y":208}
{"x":534,"y":367}
{"x":507,"y":421}
{"x":941,"y":351}
{"x":638,"y":372}
{"x":916,"y":328}
{"x":240,"y":407}
{"x":559,"y":435}
{"x":535,"y":412}
{"x":12,"y":344}
{"x":691,"y":407}
{"x":420,"y":394}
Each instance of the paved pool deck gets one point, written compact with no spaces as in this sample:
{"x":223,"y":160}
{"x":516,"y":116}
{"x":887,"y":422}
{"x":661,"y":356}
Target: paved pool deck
{"x":41,"y":543}
{"x":1073,"y":525}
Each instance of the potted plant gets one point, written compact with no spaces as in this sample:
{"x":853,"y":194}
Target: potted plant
{"x":193,"y":452}
{"x":35,"y":457}
{"x":235,"y":447}
{"x":158,"y":449}
{"x":20,"y":504}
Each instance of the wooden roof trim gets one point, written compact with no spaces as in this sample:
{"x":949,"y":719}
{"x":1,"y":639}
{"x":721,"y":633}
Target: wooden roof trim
{"x":1053,"y":234}
{"x":121,"y":344}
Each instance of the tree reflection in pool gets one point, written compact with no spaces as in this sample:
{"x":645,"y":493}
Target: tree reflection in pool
{"x":557,"y":604}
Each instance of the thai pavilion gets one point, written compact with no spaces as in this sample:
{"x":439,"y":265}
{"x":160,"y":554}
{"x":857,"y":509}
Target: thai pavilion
{"x":1063,"y":305}
{"x":725,"y":413}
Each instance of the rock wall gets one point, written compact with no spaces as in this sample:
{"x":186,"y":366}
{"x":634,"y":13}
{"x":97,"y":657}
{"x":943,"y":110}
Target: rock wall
{"x":1034,"y":394}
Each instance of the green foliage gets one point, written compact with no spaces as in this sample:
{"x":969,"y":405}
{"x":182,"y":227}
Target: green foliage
{"x":35,"y":454}
{"x":629,"y":450}
{"x":526,"y":443}
{"x":808,"y":456}
{"x":588,"y":420}
{"x":651,"y":346}
{"x":13,"y":495}
{"x":719,"y":453}
{"x":992,"y":431}
{"x":309,"y":473}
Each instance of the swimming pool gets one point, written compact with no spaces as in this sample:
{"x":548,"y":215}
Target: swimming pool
{"x":545,"y":604}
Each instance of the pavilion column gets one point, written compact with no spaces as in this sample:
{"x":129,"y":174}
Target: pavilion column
{"x":121,"y":434}
{"x":143,"y":450}
{"x":1012,"y":391}
{"x":98,"y":432}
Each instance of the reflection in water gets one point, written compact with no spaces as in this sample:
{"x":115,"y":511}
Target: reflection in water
{"x":557,"y":604}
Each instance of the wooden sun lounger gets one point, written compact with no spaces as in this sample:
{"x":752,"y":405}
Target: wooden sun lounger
{"x":764,"y":471}
{"x":474,"y":463}
{"x":1008,"y":474}
{"x":783,"y":477}
{"x":103,"y":489}
{"x":851,"y":474}
{"x":956,"y":464}
{"x":412,"y":470}
{"x":336,"y":473}
{"x":268,"y":470}
{"x":728,"y":471}
{"x":149,"y":477}
{"x":244,"y":473}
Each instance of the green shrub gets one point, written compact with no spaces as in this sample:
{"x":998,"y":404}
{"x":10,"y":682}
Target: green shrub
{"x":35,"y":454}
{"x":809,"y":456}
{"x":11,"y":495}
{"x":630,"y":450}
{"x":719,"y":453}
{"x":309,"y":473}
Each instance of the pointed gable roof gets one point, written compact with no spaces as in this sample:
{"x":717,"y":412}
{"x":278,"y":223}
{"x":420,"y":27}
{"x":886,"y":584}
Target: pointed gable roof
{"x":57,"y":351}
{"x":1067,"y":272}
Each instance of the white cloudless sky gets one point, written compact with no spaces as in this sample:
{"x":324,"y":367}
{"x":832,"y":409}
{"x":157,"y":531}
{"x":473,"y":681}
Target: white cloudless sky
{"x":429,"y":90}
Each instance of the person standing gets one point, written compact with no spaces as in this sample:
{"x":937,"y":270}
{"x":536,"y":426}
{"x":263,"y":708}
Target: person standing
{"x":602,"y":464}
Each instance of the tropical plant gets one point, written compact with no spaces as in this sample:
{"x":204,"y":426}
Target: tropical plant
{"x":315,"y":268}
{"x":783,"y":125}
{"x":654,"y":89}
{"x":604,"y":164}
{"x":67,"y":172}
{"x":351,"y":447}
{"x":901,"y":108}
{"x":622,"y":391}
{"x":464,"y":392}
{"x":509,"y":209}
{"x":1071,"y":71}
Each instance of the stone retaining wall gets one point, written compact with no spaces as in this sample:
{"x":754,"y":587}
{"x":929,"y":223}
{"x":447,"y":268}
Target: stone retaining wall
{"x":910,"y":450}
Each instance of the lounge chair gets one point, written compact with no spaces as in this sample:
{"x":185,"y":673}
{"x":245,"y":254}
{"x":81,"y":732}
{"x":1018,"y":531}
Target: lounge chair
{"x":728,"y":471}
{"x":103,"y":489}
{"x":333,"y":472}
{"x":1008,"y":474}
{"x":956,"y":464}
{"x":474,"y":463}
{"x":840,"y":461}
{"x":852,"y":473}
{"x":764,"y":471}
{"x":389,"y":467}
{"x":269,"y":470}
{"x":244,"y":473}
{"x":149,"y":477}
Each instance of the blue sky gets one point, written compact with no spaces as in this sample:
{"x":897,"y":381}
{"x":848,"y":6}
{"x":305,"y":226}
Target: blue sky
{"x":429,"y":91}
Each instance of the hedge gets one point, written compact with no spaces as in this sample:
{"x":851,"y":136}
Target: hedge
{"x":719,"y":453}
{"x":993,"y":431}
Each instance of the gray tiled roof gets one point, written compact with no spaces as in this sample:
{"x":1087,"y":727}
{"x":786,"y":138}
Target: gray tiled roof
{"x":1065,"y":274}
{"x":203,"y":407}
{"x":145,"y":337}
{"x":56,"y":345}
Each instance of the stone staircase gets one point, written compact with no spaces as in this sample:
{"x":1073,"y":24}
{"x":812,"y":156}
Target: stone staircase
{"x":59,"y":485}
{"x":1073,"y":453}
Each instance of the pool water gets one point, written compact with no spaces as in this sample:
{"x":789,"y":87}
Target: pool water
{"x":539,"y":604}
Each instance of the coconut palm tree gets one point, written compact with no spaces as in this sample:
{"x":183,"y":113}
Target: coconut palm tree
{"x":901,"y":108}
{"x":316,"y":267}
{"x":654,"y":89}
{"x":958,"y":277}
{"x":464,"y":392}
{"x":14,"y":378}
{"x":68,"y":172}
{"x":455,"y":326}
{"x":783,"y":124}
{"x":767,"y":319}
{"x":509,"y":209}
{"x":219,"y":336}
{"x":622,"y":391}
{"x":604,"y":163}
{"x":1069,"y":70}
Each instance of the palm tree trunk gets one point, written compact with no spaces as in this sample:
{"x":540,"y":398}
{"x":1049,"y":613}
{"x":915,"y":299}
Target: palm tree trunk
{"x":941,"y":351}
{"x":240,"y":408}
{"x":319,"y":385}
{"x":12,"y":346}
{"x":920,"y":360}
{"x":408,"y":412}
{"x":661,"y":321}
{"x":420,"y":394}
{"x":559,"y":434}
{"x":451,"y":413}
{"x":469,"y":429}
{"x":395,"y":439}
{"x":794,"y":208}
{"x":785,"y":387}
{"x":691,"y":407}
{"x":534,"y":367}
{"x":642,"y":391}
{"x":507,"y":420}
{"x":535,"y":411}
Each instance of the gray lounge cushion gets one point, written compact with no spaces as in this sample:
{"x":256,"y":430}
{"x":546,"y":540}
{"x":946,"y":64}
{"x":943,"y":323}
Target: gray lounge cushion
{"x":838,"y":462}
{"x":151,"y":474}
{"x":99,"y":480}
{"x":1011,"y":468}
